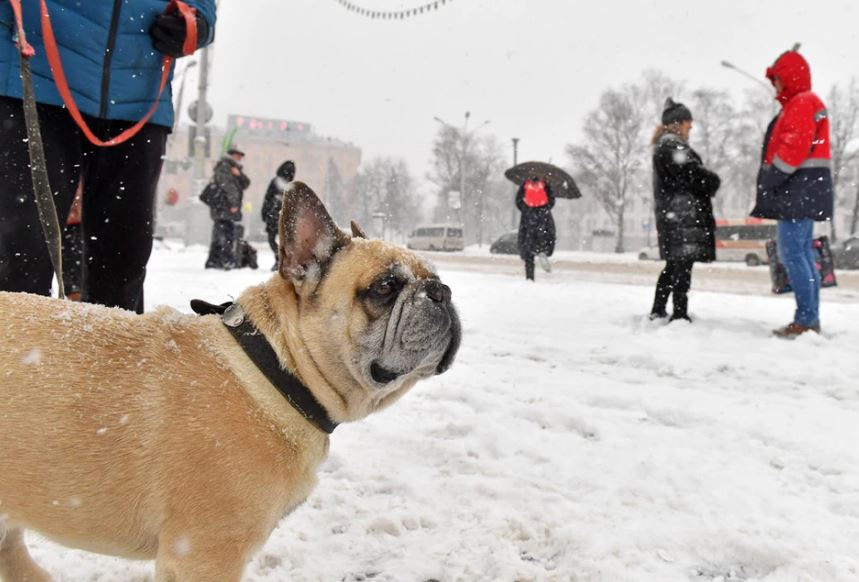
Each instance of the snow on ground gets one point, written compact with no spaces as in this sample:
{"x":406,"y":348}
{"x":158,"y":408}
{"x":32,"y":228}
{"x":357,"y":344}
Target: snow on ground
{"x":574,"y":440}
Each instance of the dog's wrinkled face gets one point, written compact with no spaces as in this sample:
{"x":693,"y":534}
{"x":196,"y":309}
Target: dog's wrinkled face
{"x":372,"y":313}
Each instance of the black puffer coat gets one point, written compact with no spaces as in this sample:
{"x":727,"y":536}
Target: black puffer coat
{"x":274,"y":195}
{"x":536,"y":226}
{"x":682,"y":189}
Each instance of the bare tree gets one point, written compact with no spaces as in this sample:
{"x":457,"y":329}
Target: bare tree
{"x":656,"y":87}
{"x":483,"y":163}
{"x":844,"y":130}
{"x":613,"y":152}
{"x":384,"y":188}
{"x":715,"y":139}
{"x":755,"y":114}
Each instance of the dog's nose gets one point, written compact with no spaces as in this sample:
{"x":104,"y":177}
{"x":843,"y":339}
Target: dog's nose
{"x":437,"y":291}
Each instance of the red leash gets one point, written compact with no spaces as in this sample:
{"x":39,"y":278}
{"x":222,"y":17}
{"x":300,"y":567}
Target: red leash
{"x":53,"y":54}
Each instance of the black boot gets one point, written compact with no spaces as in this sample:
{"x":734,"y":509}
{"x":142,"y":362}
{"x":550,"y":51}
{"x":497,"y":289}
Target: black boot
{"x":529,"y":268}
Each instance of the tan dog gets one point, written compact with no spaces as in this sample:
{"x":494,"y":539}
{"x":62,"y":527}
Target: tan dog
{"x":157,"y":436}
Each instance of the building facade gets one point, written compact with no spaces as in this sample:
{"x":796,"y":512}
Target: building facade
{"x":326,"y":164}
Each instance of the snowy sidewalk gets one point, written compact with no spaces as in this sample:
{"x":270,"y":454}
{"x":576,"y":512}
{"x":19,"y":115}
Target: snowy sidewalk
{"x":575,"y":440}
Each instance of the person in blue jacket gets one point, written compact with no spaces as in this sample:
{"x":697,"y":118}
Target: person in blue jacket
{"x":112,"y":53}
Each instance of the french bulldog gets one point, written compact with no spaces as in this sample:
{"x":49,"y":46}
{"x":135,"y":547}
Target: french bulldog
{"x":162,"y":436}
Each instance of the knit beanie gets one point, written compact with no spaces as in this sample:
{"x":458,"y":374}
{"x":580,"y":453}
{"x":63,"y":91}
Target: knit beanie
{"x":675,"y":112}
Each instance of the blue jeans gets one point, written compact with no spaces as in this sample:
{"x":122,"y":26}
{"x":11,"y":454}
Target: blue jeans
{"x":795,"y":238}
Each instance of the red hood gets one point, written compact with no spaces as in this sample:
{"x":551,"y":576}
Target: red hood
{"x":794,"y":72}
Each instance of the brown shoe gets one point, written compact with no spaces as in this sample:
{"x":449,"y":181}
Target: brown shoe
{"x":792,"y":330}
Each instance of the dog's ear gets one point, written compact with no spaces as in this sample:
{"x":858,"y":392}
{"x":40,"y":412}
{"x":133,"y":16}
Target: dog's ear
{"x":309,"y":238}
{"x":357,"y":231}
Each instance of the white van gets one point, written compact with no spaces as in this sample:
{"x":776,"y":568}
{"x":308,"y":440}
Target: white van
{"x":437,"y":237}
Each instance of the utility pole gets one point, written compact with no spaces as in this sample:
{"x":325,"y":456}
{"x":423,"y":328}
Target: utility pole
{"x":515,"y":162}
{"x":462,"y":169}
{"x":464,"y":135}
{"x":197,"y":222}
{"x":200,"y":136}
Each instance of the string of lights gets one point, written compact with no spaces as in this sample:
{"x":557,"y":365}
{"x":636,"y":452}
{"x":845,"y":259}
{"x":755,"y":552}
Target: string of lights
{"x":393,"y":14}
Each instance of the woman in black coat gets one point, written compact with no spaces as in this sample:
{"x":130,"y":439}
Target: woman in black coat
{"x":273,"y":201}
{"x":535,"y":200}
{"x":682,"y":190}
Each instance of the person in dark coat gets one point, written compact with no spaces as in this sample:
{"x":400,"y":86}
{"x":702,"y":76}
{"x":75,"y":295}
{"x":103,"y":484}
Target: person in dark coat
{"x":682,"y":190}
{"x":535,"y":200}
{"x":113,"y":57}
{"x":274,"y":201}
{"x":226,"y":209}
{"x":795,"y":184}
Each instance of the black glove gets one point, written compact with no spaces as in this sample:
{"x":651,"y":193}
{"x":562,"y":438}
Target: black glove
{"x":168,"y":33}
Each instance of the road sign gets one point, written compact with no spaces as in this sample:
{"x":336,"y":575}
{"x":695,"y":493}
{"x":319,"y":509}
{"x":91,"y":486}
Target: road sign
{"x":207,"y":112}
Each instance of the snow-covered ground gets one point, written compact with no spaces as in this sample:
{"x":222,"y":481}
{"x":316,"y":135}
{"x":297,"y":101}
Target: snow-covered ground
{"x":574,"y":440}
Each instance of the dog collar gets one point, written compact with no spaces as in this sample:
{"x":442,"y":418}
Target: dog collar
{"x":260,"y":352}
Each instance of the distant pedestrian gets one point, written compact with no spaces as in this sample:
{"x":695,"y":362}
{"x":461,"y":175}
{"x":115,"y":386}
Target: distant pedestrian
{"x":535,"y":200}
{"x":682,"y":191}
{"x":225,"y":207}
{"x":274,"y":201}
{"x":795,"y":183}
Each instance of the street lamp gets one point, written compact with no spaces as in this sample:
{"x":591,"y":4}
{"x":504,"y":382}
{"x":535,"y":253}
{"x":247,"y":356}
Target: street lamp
{"x":734,"y":67}
{"x":465,"y":134}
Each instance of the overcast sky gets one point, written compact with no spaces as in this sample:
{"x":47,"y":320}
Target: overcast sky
{"x":532,"y":67}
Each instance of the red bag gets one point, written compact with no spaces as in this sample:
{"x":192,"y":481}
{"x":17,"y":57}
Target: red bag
{"x":535,"y":194}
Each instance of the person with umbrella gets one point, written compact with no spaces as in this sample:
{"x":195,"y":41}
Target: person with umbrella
{"x":539,"y":183}
{"x":535,"y":200}
{"x":682,"y":190}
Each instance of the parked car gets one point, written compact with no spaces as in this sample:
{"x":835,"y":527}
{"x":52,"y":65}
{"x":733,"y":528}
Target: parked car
{"x":845,"y":254}
{"x":506,"y":244}
{"x":437,"y":237}
{"x":649,"y":253}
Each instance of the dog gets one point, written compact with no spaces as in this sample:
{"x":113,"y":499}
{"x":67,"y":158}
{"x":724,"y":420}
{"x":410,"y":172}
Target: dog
{"x":161,"y":436}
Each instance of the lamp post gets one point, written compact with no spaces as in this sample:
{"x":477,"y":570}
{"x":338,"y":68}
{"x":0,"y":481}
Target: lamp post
{"x":180,"y":97}
{"x":464,"y":135}
{"x":515,"y":162}
{"x":734,"y":67}
{"x":200,"y":135}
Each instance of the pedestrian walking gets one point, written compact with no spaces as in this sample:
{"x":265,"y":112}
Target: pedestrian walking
{"x":274,"y":201}
{"x":113,"y":55}
{"x":225,"y":208}
{"x":685,"y":225}
{"x":535,"y":200}
{"x":795,"y":183}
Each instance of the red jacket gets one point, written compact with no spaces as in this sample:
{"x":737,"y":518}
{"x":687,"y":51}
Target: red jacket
{"x":795,"y":180}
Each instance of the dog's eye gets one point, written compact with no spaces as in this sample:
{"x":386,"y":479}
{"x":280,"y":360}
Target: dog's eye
{"x":383,"y":288}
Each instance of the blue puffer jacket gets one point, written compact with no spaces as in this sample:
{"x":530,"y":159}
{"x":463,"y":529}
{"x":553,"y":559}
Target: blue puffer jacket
{"x":107,"y":54}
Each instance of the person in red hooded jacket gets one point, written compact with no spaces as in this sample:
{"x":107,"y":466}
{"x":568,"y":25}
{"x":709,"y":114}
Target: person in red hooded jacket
{"x":795,"y":183}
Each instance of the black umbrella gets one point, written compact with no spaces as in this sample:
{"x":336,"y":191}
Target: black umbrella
{"x":561,"y":182}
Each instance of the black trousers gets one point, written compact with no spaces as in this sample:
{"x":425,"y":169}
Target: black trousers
{"x":272,"y":241}
{"x":119,"y":186}
{"x":675,"y":279}
{"x":222,"y":250}
{"x":529,"y":266}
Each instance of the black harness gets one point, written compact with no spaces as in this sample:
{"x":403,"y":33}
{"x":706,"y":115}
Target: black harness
{"x":260,"y":352}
